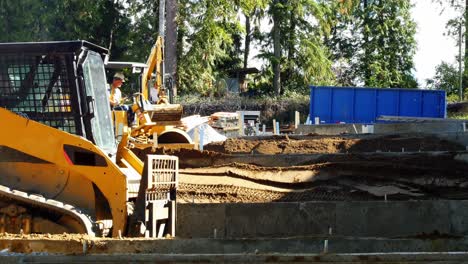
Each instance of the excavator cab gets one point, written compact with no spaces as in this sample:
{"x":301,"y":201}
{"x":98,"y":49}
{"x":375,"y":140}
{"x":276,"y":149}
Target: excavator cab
{"x":155,"y":123}
{"x":120,"y":117}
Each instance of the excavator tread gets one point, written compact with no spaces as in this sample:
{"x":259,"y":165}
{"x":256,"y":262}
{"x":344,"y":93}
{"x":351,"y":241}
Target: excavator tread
{"x":50,"y":204}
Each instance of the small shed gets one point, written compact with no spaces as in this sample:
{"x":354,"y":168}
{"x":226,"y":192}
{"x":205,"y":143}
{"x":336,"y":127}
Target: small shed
{"x":237,"y":79}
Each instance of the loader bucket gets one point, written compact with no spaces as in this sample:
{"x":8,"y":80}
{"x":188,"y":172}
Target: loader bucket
{"x":166,"y":112}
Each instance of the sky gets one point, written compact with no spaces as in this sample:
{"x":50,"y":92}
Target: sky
{"x":433,"y":46}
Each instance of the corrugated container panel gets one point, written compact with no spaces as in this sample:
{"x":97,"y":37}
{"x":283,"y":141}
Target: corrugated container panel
{"x":365,"y":105}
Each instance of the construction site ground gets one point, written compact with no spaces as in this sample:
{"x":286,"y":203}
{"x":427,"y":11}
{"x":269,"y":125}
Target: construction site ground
{"x":296,"y":169}
{"x":203,"y":250}
{"x":322,"y":168}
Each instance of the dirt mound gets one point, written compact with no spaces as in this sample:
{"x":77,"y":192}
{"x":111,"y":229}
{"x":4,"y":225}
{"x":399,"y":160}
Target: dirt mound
{"x":196,"y":193}
{"x":307,"y":145}
{"x":61,"y":237}
{"x":321,"y":144}
{"x":364,"y":176}
{"x":308,"y":168}
{"x":181,"y":153}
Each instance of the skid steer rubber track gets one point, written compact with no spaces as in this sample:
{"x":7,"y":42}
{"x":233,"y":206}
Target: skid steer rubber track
{"x":48,"y":205}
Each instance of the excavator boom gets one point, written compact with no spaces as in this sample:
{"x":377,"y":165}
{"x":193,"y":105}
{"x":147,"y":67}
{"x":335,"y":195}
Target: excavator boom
{"x":162,"y":111}
{"x":154,"y":61}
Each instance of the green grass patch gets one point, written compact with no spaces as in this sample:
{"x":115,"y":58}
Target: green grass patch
{"x":462,"y":116}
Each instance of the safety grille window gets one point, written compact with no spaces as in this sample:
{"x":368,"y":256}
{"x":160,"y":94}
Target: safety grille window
{"x":37,"y":87}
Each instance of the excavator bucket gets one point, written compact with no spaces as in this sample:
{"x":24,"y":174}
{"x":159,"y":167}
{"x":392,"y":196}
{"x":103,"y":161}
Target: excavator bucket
{"x":166,"y":113}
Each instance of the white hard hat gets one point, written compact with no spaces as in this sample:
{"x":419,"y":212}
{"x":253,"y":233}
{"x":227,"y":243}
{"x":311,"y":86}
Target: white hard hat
{"x":119,"y":75}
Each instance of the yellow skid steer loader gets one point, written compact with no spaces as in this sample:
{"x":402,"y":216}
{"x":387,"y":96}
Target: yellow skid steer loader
{"x":60,"y":167}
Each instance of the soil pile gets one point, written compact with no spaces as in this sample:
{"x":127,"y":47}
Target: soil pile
{"x":309,"y":168}
{"x":322,"y":144}
{"x":351,"y":177}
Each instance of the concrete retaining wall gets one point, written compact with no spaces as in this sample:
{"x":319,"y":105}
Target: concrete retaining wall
{"x":315,"y":245}
{"x":449,"y":131}
{"x":460,"y":138}
{"x":358,"y":219}
{"x":401,"y":258}
{"x":442,"y":127}
{"x":329,"y":129}
{"x":336,"y":129}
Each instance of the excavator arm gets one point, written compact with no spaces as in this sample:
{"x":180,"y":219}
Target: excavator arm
{"x":154,"y":62}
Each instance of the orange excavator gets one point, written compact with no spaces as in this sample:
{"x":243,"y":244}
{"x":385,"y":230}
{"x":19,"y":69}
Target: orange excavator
{"x":157,"y":121}
{"x":159,"y":109}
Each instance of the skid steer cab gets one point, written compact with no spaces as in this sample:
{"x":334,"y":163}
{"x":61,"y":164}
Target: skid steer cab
{"x":61,"y":169}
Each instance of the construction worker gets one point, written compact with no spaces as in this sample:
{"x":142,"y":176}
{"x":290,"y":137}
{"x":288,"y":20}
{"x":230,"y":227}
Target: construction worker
{"x":154,"y":95}
{"x":115,"y":97}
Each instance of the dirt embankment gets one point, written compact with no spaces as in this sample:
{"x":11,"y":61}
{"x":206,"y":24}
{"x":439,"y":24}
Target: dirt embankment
{"x":349,"y":177}
{"x":345,"y":169}
{"x":322,"y":144}
{"x":61,"y":237}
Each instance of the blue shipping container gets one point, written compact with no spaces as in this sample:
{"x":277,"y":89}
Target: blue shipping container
{"x":365,"y":105}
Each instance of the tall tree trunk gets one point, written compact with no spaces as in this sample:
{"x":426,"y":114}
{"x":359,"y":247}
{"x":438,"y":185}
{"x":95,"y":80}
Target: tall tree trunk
{"x":247,"y":40}
{"x":5,"y":9}
{"x":171,"y":41}
{"x":366,"y":45}
{"x":288,"y":72}
{"x":276,"y":50}
{"x":465,"y":71}
{"x":292,"y":37}
{"x":181,"y":33}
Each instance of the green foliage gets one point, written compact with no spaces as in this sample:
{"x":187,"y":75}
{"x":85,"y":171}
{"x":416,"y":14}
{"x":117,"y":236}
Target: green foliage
{"x":462,"y":116}
{"x":47,"y":20}
{"x":446,"y":78}
{"x":207,"y":41}
{"x":452,"y":98}
{"x":20,"y":20}
{"x":374,"y":43}
{"x":280,"y":108}
{"x":144,"y":30}
{"x":304,"y":58}
{"x":320,"y":42}
{"x":456,"y":26}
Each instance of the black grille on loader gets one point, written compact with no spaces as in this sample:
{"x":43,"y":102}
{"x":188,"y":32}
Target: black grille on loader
{"x":37,"y":86}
